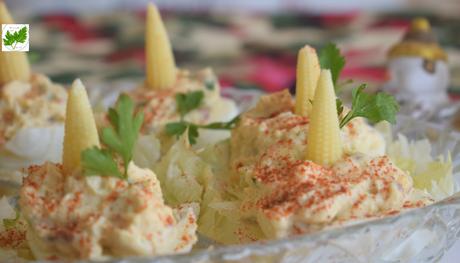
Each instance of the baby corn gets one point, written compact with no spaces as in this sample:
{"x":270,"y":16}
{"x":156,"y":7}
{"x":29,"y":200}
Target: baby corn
{"x":160,"y":65}
{"x":324,"y":143}
{"x":308,"y":70}
{"x":80,"y":127}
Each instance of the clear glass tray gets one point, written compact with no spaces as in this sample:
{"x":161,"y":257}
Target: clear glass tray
{"x":419,"y":235}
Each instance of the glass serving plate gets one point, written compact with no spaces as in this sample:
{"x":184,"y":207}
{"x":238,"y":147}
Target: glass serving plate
{"x":419,"y":235}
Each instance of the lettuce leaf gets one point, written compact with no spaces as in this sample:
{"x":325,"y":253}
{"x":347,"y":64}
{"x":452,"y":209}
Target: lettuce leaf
{"x":430,"y":174}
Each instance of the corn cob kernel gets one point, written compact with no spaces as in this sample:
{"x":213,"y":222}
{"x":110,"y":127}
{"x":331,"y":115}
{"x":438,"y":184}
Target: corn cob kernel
{"x":308,"y":70}
{"x":13,"y":65}
{"x":80,"y":127}
{"x":324,"y":141}
{"x":160,"y":65}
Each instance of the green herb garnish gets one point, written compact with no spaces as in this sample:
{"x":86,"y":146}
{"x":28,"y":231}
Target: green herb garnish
{"x":186,"y":102}
{"x":375,"y":107}
{"x":9,"y":223}
{"x":210,"y":84}
{"x":178,"y":128}
{"x":330,"y":58}
{"x":119,"y":141}
{"x":339,"y":105}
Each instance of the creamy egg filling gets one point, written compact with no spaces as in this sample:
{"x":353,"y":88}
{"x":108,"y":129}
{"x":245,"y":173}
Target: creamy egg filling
{"x":72,"y":216}
{"x":273,"y":120}
{"x":160,"y":105}
{"x":287,"y":194}
{"x":38,"y":103}
{"x":32,"y":117}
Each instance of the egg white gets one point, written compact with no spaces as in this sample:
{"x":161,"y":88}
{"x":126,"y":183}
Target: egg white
{"x":32,"y":145}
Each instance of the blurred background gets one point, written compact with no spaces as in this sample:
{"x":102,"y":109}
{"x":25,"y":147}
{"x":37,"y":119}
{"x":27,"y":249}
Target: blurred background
{"x":252,"y":45}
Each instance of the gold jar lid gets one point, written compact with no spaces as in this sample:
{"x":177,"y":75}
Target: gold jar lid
{"x":419,"y":41}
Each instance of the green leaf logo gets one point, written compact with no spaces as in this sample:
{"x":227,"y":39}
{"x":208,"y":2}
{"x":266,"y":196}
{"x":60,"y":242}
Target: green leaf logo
{"x":12,"y":39}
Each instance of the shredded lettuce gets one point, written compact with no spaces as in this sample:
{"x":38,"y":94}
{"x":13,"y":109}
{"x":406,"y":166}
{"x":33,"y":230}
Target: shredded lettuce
{"x":10,"y":220}
{"x":7,"y":214}
{"x":180,"y":171}
{"x":182,"y":174}
{"x":222,"y":219}
{"x":10,"y":255}
{"x":147,"y":151}
{"x":187,"y":176}
{"x":432,"y":175}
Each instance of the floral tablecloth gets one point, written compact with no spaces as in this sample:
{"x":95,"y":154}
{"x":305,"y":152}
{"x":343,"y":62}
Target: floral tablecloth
{"x":247,"y":51}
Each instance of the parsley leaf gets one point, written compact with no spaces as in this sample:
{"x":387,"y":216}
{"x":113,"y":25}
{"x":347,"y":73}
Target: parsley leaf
{"x":178,"y":128}
{"x":19,"y":36}
{"x":123,"y":135}
{"x":221,"y":125}
{"x":210,"y":84}
{"x":330,"y":58}
{"x":100,"y":162}
{"x":374,"y":107}
{"x":192,"y":133}
{"x":118,"y":139}
{"x":339,"y":104}
{"x":9,"y":223}
{"x":186,"y":102}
